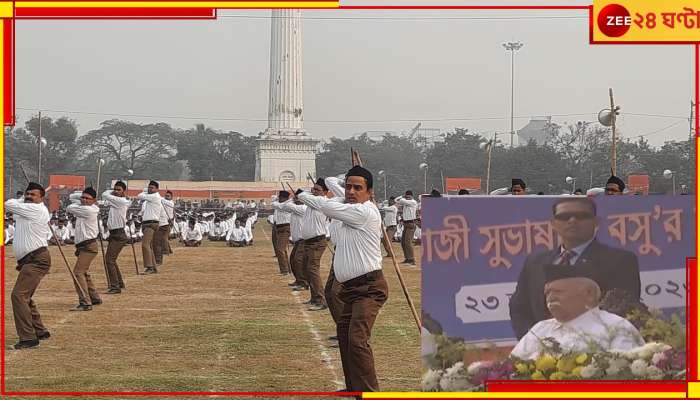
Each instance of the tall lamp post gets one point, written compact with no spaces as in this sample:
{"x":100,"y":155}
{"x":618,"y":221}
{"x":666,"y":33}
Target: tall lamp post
{"x":512,"y":47}
{"x":571,"y":181}
{"x":668,"y":174}
{"x":424,"y":167}
{"x":382,"y":173}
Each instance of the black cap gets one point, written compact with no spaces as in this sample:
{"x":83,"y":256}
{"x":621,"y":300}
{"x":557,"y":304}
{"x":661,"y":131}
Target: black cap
{"x":408,"y":193}
{"x":35,"y":186}
{"x":120,"y":184}
{"x":89,"y":190}
{"x":518,"y":181}
{"x":463,"y":192}
{"x":283,"y":193}
{"x":556,"y":272}
{"x":620,"y":183}
{"x":359,"y":171}
{"x":434,"y":193}
{"x":322,"y":183}
{"x":153,"y":183}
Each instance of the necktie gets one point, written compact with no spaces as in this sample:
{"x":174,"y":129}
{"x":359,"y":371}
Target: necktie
{"x":566,"y":256}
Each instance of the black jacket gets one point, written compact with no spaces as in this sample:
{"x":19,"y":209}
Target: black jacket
{"x":611,"y":268}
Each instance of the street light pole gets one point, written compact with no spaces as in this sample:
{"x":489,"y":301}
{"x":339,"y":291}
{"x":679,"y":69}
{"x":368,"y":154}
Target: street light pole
{"x":38,"y":143}
{"x":512,"y":47}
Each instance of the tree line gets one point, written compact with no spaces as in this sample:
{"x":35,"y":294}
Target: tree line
{"x":581,"y":151}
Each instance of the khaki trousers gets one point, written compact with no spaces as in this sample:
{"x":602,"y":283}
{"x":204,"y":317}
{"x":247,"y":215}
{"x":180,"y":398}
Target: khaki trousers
{"x":390,"y":231}
{"x":313,"y":251}
{"x":160,"y":243}
{"x":409,"y":229}
{"x":32,"y":268}
{"x":85,"y":253}
{"x":362,"y":297}
{"x":149,"y":231}
{"x":274,"y":239}
{"x":282,"y":237}
{"x":296,"y":261}
{"x":331,"y":291}
{"x":115,"y":243}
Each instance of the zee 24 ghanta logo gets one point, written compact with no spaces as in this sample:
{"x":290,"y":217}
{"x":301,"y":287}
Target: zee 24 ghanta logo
{"x":614,"y":20}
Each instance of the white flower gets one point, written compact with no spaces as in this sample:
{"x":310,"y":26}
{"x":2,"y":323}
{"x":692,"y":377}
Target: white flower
{"x":616,"y":365}
{"x":654,"y":372}
{"x":454,"y":380}
{"x":589,"y":371}
{"x":639,"y":367}
{"x":455,"y":369}
{"x":657,"y":358}
{"x":648,"y":350}
{"x":431,"y":380}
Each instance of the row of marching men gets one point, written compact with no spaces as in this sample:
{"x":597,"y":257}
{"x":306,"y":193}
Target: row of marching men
{"x":31,"y":240}
{"x":339,"y":213}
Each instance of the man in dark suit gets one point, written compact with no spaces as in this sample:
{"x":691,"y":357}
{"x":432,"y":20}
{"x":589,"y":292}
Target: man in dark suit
{"x":574,"y":219}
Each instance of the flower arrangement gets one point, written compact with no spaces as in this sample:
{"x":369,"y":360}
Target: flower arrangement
{"x":653,"y":361}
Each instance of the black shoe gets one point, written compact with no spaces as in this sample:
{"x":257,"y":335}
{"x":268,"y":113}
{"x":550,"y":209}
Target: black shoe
{"x":96,"y":302}
{"x":121,"y":285}
{"x":317,"y":307}
{"x":300,"y":288}
{"x":81,"y":307}
{"x":411,"y":262}
{"x":333,"y":338}
{"x":150,"y":271}
{"x":308,"y":302}
{"x":113,"y":291}
{"x":26,"y":344}
{"x":43,"y":335}
{"x":293,"y":284}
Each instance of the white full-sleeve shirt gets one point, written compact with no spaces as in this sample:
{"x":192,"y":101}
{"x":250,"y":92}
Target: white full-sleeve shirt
{"x":280,"y":217}
{"x":237,"y":234}
{"x":31,"y":226}
{"x":86,"y":223}
{"x":118,"y":206}
{"x":192,"y":233}
{"x":296,"y":219}
{"x":358,"y":237}
{"x":152,"y":207}
{"x":390,"y":213}
{"x":609,"y":331}
{"x":9,"y":233}
{"x":410,"y":208}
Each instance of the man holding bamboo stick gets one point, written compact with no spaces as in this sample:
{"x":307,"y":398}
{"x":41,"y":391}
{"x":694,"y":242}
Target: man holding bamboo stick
{"x":357,"y":265}
{"x":86,"y":230}
{"x":116,"y":223}
{"x":33,"y":262}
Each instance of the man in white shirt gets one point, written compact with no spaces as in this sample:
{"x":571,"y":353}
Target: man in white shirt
{"x":237,"y":235}
{"x":152,"y":207}
{"x":33,"y":263}
{"x":358,"y":267}
{"x":410,"y":208}
{"x":296,"y":209}
{"x":161,"y":241}
{"x":249,"y":221}
{"x":577,"y":324}
{"x":313,"y":231}
{"x":116,"y":223}
{"x":192,"y":234}
{"x":390,"y":213}
{"x":9,"y":232}
{"x":86,"y":230}
{"x":282,"y":232}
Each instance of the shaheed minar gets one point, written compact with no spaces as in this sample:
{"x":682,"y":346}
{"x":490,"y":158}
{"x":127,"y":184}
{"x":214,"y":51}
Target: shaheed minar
{"x":284,"y":151}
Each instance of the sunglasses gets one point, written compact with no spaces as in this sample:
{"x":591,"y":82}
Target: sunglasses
{"x":580,"y":216}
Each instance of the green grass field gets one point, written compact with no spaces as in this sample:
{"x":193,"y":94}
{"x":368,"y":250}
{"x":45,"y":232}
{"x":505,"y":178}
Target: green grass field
{"x":213,"y":319}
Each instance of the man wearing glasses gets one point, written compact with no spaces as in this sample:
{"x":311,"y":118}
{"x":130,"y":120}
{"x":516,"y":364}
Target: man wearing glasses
{"x":575,"y":221}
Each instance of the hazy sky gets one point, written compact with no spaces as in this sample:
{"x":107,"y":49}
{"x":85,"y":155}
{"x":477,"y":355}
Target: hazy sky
{"x":364,"y":70}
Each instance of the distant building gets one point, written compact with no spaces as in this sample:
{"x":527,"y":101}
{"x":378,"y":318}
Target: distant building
{"x":534,"y":130}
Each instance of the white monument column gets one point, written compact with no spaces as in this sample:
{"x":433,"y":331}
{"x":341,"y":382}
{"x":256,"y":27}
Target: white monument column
{"x":284,"y":150}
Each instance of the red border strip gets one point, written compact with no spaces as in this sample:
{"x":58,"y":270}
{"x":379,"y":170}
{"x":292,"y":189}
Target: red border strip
{"x":9,"y":72}
{"x":165,"y":394}
{"x":115,"y":13}
{"x":463,"y":7}
{"x":2,"y":325}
